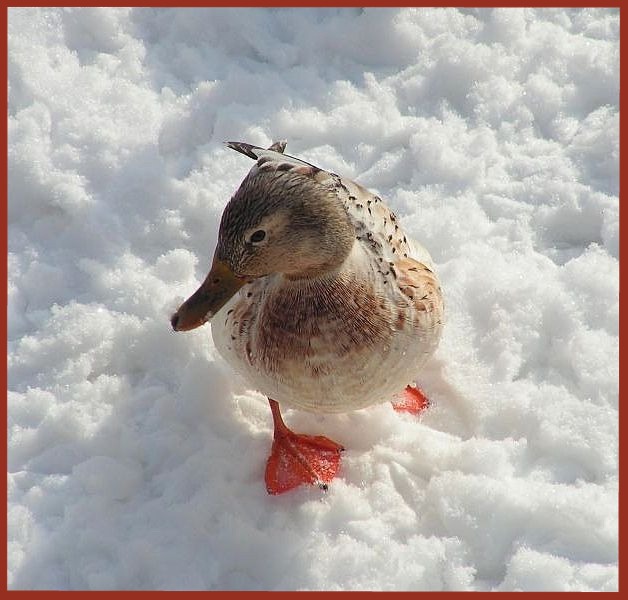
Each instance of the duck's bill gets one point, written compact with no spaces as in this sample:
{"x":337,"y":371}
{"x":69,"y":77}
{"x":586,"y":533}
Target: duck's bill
{"x":219,"y":286}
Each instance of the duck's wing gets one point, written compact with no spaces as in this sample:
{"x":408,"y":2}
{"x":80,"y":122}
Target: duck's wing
{"x":421,"y":287}
{"x":375,"y":223}
{"x":399,"y":262}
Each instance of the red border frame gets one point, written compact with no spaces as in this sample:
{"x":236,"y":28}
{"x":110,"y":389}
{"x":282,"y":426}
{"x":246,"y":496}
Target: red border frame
{"x":3,"y":217}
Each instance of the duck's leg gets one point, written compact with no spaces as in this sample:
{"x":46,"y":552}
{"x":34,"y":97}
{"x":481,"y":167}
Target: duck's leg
{"x":411,"y":400}
{"x":297,"y":458}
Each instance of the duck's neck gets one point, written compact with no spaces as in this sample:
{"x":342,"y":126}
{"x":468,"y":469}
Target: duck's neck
{"x":326,"y":272}
{"x":325,"y":252}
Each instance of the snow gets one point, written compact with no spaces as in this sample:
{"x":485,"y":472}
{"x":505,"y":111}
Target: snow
{"x":136,"y":459}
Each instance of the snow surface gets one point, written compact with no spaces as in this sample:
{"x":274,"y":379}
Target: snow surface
{"x":136,"y":460}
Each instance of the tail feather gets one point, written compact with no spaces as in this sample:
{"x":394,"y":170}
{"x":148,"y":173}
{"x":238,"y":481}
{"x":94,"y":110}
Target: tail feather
{"x":250,"y":150}
{"x":244,"y":148}
{"x":278,"y":146}
{"x":274,"y":153}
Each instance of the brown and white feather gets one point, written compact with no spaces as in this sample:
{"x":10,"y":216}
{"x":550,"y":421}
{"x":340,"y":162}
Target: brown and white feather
{"x":346,"y":339}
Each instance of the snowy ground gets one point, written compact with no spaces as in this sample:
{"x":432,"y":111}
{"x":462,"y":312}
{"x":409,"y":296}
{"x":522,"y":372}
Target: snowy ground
{"x":135,"y":459}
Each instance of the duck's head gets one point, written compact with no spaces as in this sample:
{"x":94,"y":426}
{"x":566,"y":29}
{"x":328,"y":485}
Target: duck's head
{"x":279,"y":221}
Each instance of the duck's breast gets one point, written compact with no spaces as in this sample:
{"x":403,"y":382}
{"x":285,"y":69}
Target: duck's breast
{"x":332,"y":346}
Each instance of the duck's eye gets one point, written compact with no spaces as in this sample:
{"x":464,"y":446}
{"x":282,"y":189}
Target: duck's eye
{"x":258,"y":236}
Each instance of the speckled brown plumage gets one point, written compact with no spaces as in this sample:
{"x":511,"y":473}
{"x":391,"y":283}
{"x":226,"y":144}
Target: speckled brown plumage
{"x":361,"y":317}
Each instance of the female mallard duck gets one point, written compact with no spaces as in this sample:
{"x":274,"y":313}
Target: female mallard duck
{"x":318,"y":299}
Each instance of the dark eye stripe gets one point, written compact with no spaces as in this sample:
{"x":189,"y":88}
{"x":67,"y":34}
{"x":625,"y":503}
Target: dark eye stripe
{"x":258,"y":236}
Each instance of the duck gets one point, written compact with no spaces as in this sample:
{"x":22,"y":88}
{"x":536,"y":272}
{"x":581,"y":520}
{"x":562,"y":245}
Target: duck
{"x":318,"y":299}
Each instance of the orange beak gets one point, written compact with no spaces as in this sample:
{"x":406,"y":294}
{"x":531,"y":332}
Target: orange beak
{"x":219,"y":286}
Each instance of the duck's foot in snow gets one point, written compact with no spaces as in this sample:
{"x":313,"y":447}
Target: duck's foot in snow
{"x":296,"y":459}
{"x":411,"y":400}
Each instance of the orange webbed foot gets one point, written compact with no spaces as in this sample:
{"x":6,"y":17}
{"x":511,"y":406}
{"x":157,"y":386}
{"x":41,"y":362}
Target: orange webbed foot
{"x":411,"y":400}
{"x":296,"y":458}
